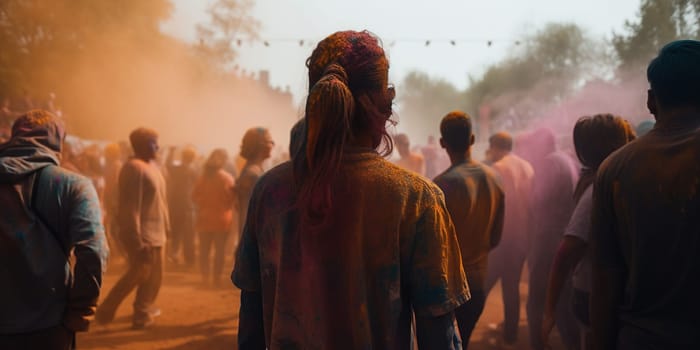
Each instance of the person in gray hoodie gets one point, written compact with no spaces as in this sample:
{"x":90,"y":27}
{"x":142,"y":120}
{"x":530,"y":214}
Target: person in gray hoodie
{"x":49,"y":217}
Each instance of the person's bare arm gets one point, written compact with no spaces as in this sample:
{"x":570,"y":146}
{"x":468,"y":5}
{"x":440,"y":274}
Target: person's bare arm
{"x":170,"y":160}
{"x":130,"y":198}
{"x":571,"y":251}
{"x":497,"y":229}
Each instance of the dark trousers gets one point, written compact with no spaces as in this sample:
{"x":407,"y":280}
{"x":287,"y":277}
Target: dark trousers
{"x":206,"y":241}
{"x":566,"y":322}
{"x":182,"y":237}
{"x":506,"y":264}
{"x":632,"y":338}
{"x":468,"y":314}
{"x":144,"y":274}
{"x":54,"y":338}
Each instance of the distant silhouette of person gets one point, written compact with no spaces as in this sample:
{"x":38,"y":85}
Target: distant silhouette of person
{"x":213,"y":197}
{"x":431,"y":153}
{"x":645,"y":234}
{"x":594,"y":139}
{"x":112,"y":168}
{"x":143,"y":228}
{"x":551,"y":206}
{"x":256,"y":147}
{"x":180,"y":181}
{"x":341,"y":246}
{"x":409,"y":160}
{"x":476,"y":203}
{"x":507,"y":260}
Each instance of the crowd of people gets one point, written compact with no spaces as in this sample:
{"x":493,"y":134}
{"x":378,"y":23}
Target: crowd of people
{"x":340,"y":248}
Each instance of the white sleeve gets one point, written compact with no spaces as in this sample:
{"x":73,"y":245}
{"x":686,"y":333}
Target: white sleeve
{"x":580,"y":224}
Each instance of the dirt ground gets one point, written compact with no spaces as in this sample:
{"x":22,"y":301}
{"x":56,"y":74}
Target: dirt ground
{"x":198,"y":317}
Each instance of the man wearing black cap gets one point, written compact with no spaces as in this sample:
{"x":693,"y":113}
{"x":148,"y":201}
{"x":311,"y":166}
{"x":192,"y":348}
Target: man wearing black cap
{"x":645,"y":236}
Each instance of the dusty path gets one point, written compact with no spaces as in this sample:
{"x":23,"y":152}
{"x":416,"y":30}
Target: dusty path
{"x":195,"y":317}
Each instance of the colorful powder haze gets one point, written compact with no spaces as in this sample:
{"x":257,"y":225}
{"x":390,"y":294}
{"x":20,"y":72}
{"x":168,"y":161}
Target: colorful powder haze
{"x":133,"y":84}
{"x":161,"y":84}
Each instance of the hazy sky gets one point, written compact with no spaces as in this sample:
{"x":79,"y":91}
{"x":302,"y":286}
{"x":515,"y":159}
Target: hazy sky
{"x":408,"y":23}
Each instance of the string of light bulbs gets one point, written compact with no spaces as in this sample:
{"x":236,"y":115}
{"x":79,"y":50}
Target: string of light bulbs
{"x":391,"y":42}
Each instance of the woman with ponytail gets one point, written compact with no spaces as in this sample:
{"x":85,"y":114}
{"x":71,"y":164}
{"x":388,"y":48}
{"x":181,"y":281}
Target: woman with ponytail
{"x":595,"y":138}
{"x":340,"y":246}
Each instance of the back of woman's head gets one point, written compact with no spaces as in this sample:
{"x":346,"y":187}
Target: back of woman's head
{"x":217,"y":159}
{"x":349,"y":100}
{"x":595,"y":138}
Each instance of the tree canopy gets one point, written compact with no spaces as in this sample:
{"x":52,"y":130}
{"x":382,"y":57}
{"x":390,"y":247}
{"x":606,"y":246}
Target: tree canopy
{"x":230,"y":22}
{"x":545,"y":66}
{"x":658,"y":22}
{"x":37,"y":37}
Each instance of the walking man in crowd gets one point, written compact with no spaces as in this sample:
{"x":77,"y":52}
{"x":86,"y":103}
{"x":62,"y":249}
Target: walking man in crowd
{"x":143,"y":225}
{"x":506,"y":261}
{"x":409,"y":160}
{"x":645,"y":234}
{"x":475,"y":200}
{"x":47,"y":213}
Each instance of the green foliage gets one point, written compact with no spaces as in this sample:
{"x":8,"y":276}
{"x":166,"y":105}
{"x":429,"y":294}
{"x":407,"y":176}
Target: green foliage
{"x":659,"y":22}
{"x":546,"y":66}
{"x":554,"y":59}
{"x":424,"y":101}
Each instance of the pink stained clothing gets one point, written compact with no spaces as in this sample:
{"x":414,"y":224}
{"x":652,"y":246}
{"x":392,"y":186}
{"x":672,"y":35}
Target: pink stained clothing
{"x":213,"y":197}
{"x":390,"y":250}
{"x":516,"y":177}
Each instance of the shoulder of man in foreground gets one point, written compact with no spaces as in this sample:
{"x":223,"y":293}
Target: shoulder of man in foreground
{"x":86,"y":237}
{"x":399,"y":176}
{"x":78,"y":193}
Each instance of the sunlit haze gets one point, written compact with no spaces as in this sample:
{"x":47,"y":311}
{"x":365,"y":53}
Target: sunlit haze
{"x":406,"y":24}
